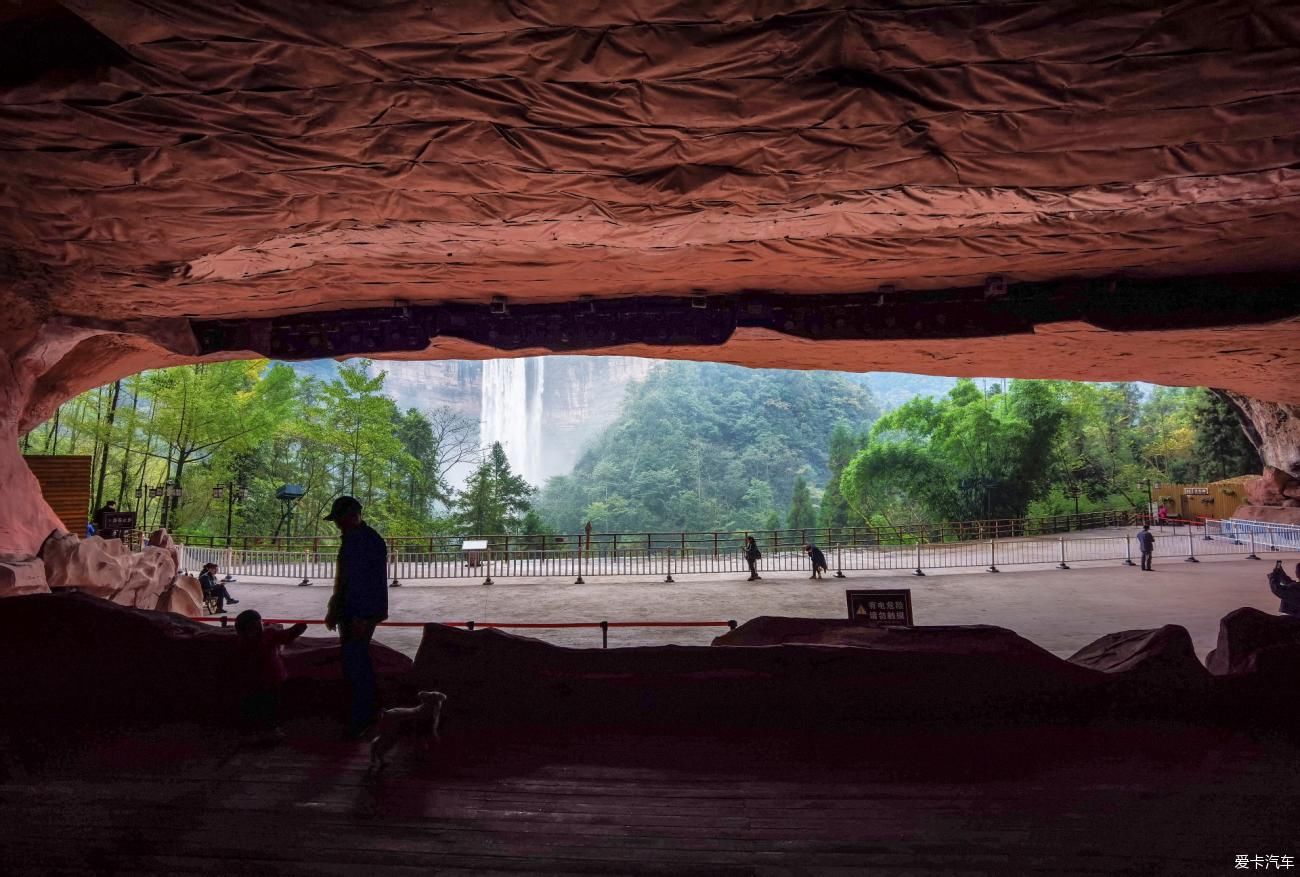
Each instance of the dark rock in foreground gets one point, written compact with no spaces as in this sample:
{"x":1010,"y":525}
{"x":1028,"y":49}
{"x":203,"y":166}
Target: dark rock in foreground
{"x":1249,"y":638}
{"x":1151,"y":672}
{"x":918,"y":675}
{"x":76,"y":660}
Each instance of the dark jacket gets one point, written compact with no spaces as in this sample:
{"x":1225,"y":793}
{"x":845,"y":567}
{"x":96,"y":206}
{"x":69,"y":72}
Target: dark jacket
{"x":818,"y":559}
{"x":752,"y":552}
{"x":361,"y":582}
{"x":1286,"y":590}
{"x":1146,"y":541}
{"x":208,"y":583}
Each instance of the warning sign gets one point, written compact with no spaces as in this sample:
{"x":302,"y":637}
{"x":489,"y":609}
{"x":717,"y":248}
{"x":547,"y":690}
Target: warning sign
{"x":881,"y":607}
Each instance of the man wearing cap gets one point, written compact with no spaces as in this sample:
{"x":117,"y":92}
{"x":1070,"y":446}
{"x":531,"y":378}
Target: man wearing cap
{"x":359,"y":602}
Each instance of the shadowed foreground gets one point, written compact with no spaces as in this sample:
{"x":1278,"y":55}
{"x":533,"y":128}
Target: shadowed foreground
{"x":1137,"y":799}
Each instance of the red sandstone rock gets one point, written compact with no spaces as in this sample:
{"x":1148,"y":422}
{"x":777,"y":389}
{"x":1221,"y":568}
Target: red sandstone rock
{"x":82,"y":660}
{"x":183,"y":597}
{"x":1153,"y":671}
{"x":1243,"y":634}
{"x":1268,"y":514}
{"x":497,"y":678}
{"x":20,"y":577}
{"x":1271,"y":488}
{"x":91,"y":562}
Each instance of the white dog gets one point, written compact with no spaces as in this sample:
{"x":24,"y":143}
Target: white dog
{"x":419,"y":720}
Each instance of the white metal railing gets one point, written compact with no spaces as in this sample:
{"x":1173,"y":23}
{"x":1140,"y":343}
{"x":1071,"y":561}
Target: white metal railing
{"x":1213,"y":538}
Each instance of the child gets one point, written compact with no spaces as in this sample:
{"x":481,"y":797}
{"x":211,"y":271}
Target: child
{"x":262,"y":672}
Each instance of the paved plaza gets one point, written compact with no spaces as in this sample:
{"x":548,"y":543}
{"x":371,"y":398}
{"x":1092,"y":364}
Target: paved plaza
{"x":1061,"y":610}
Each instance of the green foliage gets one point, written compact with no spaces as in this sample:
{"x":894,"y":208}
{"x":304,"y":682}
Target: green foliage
{"x":495,"y":499}
{"x":1220,"y":447}
{"x":702,"y":446}
{"x":801,"y":516}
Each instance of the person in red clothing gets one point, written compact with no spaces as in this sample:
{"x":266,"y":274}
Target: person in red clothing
{"x":262,"y":672}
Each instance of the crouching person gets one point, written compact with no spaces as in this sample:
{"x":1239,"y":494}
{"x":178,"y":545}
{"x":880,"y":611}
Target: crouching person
{"x":262,"y":674}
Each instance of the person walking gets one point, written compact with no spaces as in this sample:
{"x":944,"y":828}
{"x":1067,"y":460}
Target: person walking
{"x":818,"y":560}
{"x":1147,"y":544}
{"x":358,"y":604}
{"x":752,"y":557}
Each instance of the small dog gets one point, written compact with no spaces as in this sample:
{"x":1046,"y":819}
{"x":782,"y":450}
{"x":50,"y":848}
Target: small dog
{"x":413,"y":720}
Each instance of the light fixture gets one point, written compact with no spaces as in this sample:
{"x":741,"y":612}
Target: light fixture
{"x":139,"y":492}
{"x":218,"y":491}
{"x":498,"y":305}
{"x":242,"y":494}
{"x":155,"y":491}
{"x":995,"y":286}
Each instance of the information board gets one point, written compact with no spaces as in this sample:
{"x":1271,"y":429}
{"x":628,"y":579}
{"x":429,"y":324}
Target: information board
{"x":881,"y":607}
{"x":116,"y":522}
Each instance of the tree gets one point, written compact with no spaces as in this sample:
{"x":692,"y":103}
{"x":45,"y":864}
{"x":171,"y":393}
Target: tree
{"x":834,"y":511}
{"x":1220,"y":447}
{"x":494,"y":500}
{"x":802,"y":515}
{"x":966,"y":456}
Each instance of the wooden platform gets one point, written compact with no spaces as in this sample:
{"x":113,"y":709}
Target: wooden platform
{"x":1100,"y":801}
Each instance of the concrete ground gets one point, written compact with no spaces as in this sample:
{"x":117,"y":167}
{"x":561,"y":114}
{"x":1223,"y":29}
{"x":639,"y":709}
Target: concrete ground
{"x":1058,"y":609}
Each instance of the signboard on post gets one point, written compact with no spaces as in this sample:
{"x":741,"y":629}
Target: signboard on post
{"x":116,"y":522}
{"x":474,"y":550}
{"x":881,"y":607}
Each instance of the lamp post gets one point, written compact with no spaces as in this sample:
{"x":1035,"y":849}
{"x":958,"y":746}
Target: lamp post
{"x":170,"y":491}
{"x":233,"y":493}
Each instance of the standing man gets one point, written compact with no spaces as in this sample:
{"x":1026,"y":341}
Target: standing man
{"x":1147,"y":544}
{"x":752,"y":557}
{"x":359,"y":602}
{"x":818,"y":560}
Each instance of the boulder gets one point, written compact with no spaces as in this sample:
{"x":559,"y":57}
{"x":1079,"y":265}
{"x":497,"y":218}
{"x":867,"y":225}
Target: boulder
{"x":1246,"y":632}
{"x":149,"y":573}
{"x":86,"y":661}
{"x":107,"y":568}
{"x":183,"y":596}
{"x":92,"y":562}
{"x":161,"y":539}
{"x":1271,"y":488}
{"x":1275,"y":514}
{"x":1153,"y":672}
{"x":22,"y":576}
{"x":499,"y":679}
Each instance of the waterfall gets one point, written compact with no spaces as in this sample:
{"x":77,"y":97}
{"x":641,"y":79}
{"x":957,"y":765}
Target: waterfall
{"x":512,"y":412}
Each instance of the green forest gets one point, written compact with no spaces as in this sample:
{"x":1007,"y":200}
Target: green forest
{"x":698,"y":446}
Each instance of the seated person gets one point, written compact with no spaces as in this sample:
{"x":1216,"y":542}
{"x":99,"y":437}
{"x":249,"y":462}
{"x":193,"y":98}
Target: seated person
{"x":213,"y":589}
{"x":1285,"y":589}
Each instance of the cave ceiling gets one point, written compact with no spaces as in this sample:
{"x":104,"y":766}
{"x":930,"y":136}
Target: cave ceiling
{"x":761,"y":182}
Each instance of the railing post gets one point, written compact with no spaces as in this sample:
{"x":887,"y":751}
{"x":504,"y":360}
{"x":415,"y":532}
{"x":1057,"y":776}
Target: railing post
{"x":918,"y":571}
{"x":668,"y":579}
{"x":993,"y":555}
{"x":392,"y":562}
{"x":1191,"y":547}
{"x":1128,"y":552}
{"x":1252,"y":555}
{"x":604,"y":634}
{"x":306,"y":580}
{"x":578,"y":580}
{"x":487,"y":559}
{"x":839,"y":562}
{"x":1205,"y":530}
{"x":230,"y":565}
{"x":1062,"y":564}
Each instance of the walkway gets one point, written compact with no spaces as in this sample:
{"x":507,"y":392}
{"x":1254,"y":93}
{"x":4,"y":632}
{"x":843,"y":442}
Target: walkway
{"x":1060,"y":610}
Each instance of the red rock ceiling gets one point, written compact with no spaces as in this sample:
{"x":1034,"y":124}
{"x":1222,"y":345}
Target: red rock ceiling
{"x":271,"y":157}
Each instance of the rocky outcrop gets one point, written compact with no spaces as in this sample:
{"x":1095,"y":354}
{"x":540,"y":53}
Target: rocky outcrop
{"x":21,"y":576}
{"x":1246,"y":638}
{"x":107,"y":568}
{"x":184,"y":596}
{"x":1151,"y":672}
{"x":501,"y":679}
{"x":74,"y":660}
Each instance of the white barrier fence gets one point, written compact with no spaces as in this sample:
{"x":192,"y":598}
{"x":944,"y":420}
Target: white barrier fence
{"x":1213,"y":538}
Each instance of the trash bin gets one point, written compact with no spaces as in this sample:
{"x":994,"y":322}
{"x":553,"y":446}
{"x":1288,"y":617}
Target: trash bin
{"x":474,"y":550}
